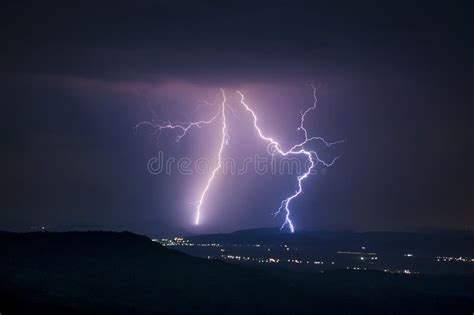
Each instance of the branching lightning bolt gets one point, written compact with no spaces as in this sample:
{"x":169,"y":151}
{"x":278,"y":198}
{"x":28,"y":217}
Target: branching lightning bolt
{"x":184,"y":127}
{"x":297,"y":149}
{"x":219,"y":158}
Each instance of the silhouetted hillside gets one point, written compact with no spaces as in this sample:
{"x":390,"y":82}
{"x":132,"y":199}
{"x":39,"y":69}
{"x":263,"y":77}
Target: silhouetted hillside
{"x":97,"y":272}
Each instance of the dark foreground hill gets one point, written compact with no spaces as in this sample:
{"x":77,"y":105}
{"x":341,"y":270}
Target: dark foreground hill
{"x":105,"y":272}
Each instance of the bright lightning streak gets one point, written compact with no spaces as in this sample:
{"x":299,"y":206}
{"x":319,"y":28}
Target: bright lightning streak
{"x":219,"y":159}
{"x":297,"y":149}
{"x":184,"y":128}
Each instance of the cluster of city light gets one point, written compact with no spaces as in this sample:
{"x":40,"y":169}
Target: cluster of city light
{"x":210,"y":245}
{"x":180,"y":241}
{"x":401,"y":271}
{"x":454,"y":259}
{"x":356,"y":253}
{"x":362,"y":256}
{"x":368,"y":258}
{"x":297,"y":149}
{"x":176,"y":241}
{"x":355,"y":268}
{"x":269,"y":260}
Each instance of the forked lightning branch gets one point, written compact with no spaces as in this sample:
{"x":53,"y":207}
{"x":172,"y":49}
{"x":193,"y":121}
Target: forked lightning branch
{"x":298,"y":150}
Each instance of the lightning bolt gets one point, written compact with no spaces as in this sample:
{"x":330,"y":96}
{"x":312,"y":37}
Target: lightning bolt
{"x":183,"y":128}
{"x":219,"y":159}
{"x":297,"y":149}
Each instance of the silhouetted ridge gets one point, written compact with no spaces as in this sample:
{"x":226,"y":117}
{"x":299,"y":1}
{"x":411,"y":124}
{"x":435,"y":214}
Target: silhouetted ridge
{"x":110,"y":272}
{"x":75,"y":236}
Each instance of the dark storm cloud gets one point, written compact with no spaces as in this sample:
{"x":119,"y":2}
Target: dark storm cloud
{"x":230,"y":41}
{"x":396,"y":83}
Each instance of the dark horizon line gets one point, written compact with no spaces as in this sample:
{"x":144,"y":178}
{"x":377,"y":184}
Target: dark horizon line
{"x":425,"y":230}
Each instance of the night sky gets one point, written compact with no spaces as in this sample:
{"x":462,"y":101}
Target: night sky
{"x":395,"y":83}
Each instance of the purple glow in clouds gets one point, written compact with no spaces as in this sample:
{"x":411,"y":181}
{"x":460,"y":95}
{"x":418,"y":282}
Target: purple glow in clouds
{"x":296,"y":150}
